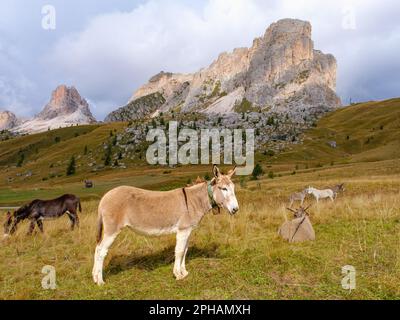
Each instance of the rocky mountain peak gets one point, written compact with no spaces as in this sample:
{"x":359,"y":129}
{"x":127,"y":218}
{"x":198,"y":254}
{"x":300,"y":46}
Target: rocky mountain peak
{"x":65,"y":108}
{"x":8,"y":120}
{"x":285,"y":28}
{"x":65,"y":101}
{"x":281,"y":72}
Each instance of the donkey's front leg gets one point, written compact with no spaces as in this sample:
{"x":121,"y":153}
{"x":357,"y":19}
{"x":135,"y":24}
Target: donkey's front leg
{"x":31,"y":227}
{"x":182,"y":237}
{"x":183,"y":263}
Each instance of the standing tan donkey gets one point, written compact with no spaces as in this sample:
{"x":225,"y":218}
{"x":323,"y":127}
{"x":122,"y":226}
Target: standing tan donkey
{"x":157,"y":213}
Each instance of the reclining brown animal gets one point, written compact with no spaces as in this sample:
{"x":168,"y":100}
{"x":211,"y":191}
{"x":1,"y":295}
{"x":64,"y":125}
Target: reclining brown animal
{"x":299,"y":229}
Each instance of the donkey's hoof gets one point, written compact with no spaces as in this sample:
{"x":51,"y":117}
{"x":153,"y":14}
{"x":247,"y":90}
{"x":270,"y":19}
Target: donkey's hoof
{"x":100,"y":283}
{"x":184,"y":273}
{"x":97,"y":279}
{"x":181,"y":275}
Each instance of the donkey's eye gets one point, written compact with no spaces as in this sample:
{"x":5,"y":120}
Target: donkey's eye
{"x":224,"y":189}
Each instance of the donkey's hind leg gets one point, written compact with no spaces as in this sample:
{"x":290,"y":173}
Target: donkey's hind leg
{"x":74,"y":219}
{"x":75,"y":213}
{"x":77,"y":220}
{"x":99,"y":256}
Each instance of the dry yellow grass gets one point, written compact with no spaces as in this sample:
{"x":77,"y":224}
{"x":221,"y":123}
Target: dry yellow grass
{"x":237,"y":257}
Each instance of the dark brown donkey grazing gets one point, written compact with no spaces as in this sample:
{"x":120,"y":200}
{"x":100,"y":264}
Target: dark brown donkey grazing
{"x":39,"y":210}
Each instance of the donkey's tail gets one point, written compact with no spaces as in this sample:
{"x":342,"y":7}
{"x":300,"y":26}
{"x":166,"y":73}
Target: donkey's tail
{"x":99,"y":228}
{"x":79,"y":204}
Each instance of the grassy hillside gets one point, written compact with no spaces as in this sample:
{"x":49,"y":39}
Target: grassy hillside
{"x":242,"y":255}
{"x":367,"y":132}
{"x":363,"y":132}
{"x":47,"y":154}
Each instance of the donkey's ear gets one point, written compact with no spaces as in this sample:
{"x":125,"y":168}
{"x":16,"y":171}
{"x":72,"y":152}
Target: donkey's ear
{"x":232,"y":172}
{"x":216,"y":171}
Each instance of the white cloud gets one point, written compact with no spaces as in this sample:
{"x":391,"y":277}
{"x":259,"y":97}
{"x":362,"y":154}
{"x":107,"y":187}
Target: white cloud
{"x":13,"y":83}
{"x":116,"y":52}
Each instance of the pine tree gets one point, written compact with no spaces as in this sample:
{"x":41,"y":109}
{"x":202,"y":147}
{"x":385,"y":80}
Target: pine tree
{"x":71,"y":169}
{"x":257,"y":171}
{"x":21,"y":160}
{"x":107,"y":156}
{"x":114,"y":141}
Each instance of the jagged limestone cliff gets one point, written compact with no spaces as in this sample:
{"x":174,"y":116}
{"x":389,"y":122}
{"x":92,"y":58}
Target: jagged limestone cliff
{"x":281,"y":72}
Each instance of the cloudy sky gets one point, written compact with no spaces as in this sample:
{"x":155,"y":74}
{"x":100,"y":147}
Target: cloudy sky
{"x":107,"y":49}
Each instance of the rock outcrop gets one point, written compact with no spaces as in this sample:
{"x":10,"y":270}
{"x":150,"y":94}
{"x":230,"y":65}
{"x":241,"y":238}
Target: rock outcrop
{"x":281,"y":72}
{"x":66,"y":108}
{"x":138,"y":108}
{"x":8,"y":120}
{"x":64,"y":102}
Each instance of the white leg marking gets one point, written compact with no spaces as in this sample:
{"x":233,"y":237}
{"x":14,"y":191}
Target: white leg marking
{"x":183,"y":263}
{"x":95,"y":263}
{"x":100,"y":254}
{"x":182,"y":237}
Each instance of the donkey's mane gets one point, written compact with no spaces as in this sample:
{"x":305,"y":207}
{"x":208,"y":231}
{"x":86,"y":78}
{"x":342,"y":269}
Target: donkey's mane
{"x":196,"y":182}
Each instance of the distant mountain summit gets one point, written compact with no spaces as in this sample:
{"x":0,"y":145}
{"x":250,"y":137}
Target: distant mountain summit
{"x":281,"y":72}
{"x":64,"y":102}
{"x":66,"y":108}
{"x":8,"y":120}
